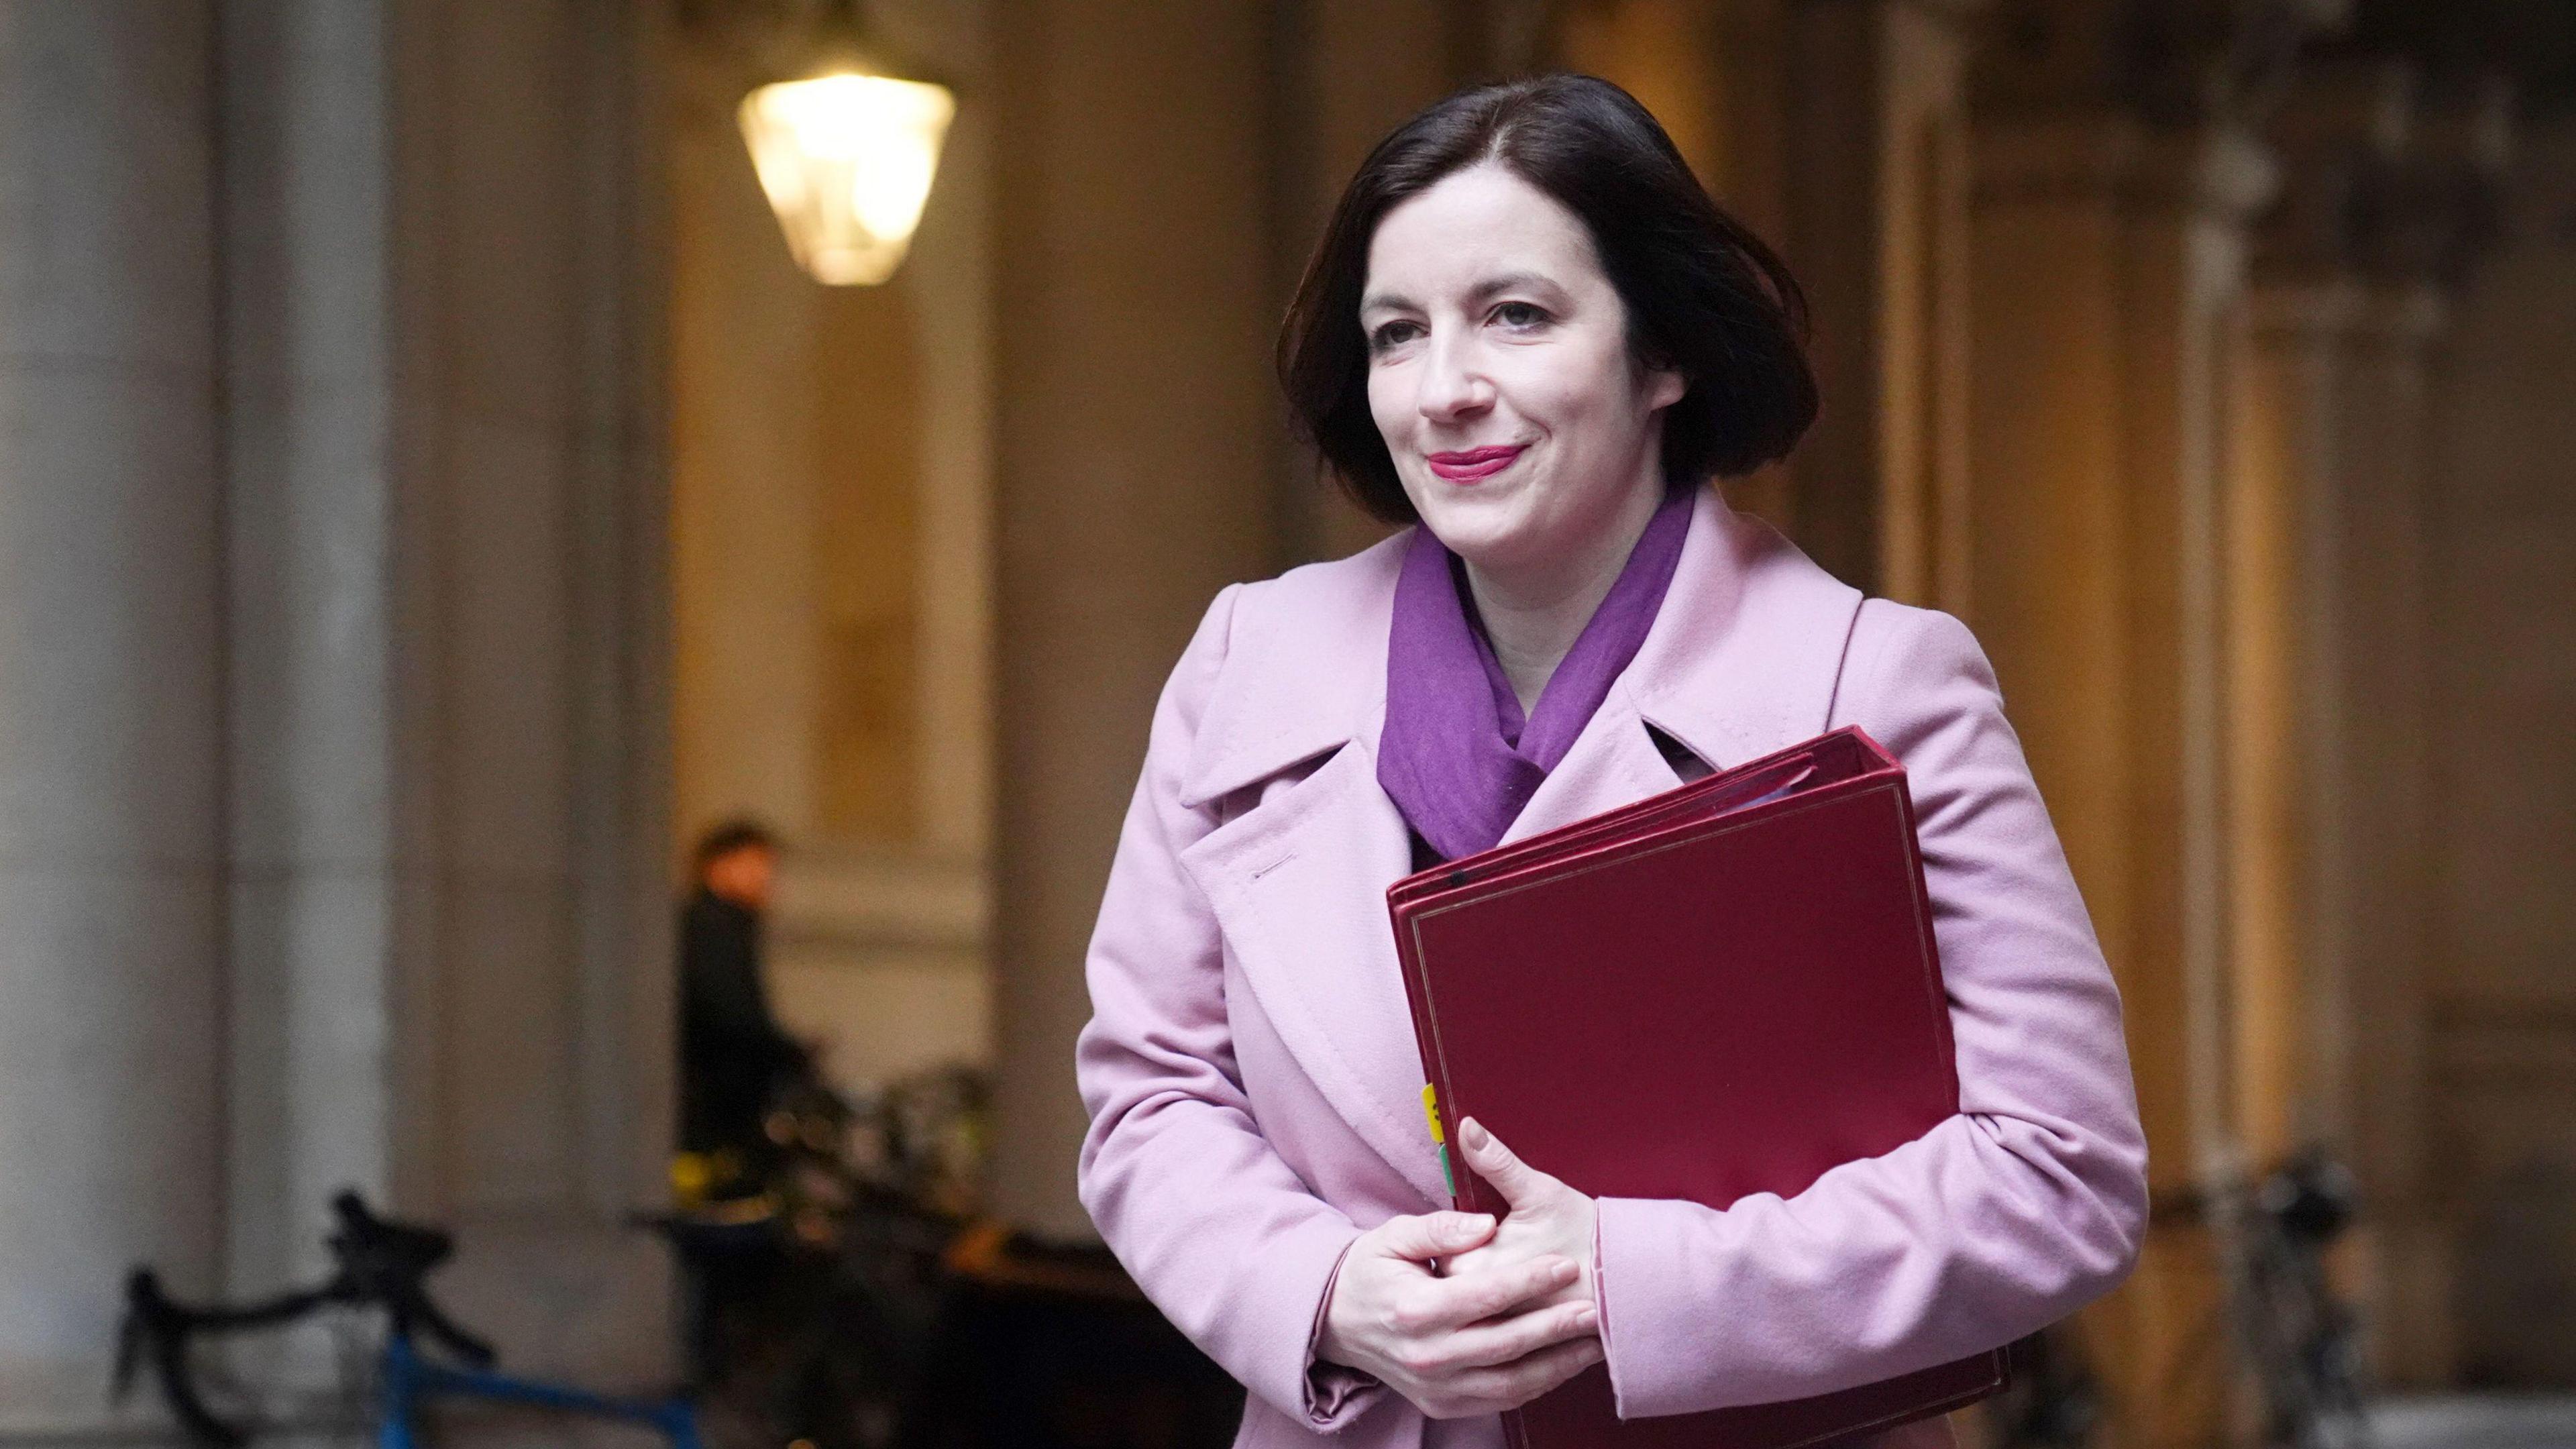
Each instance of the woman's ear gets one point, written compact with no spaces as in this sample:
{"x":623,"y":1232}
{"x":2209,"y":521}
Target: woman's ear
{"x":1664,"y":387}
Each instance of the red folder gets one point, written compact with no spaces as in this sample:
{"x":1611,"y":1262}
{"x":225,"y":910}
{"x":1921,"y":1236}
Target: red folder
{"x":1726,"y":989}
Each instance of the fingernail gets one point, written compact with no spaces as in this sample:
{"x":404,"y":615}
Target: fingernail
{"x":1587,"y":1318}
{"x":1563,"y":1272}
{"x":1472,"y":1132}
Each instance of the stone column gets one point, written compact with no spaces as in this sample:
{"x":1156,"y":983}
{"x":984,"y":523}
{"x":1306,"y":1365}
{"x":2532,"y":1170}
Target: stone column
{"x":1877,"y":182}
{"x":2385,"y":883}
{"x":2109,"y":246}
{"x":310,"y":643}
{"x":331,"y":849}
{"x":1137,"y":468}
{"x":2293,"y":581}
{"x":112,"y":607}
{"x":530,"y":1004}
{"x":2430,"y":218}
{"x":2283,"y":622}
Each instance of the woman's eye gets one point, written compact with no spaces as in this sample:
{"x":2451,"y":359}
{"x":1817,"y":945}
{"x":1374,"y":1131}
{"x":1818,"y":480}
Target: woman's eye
{"x":1519,"y":314}
{"x":1392,"y":334}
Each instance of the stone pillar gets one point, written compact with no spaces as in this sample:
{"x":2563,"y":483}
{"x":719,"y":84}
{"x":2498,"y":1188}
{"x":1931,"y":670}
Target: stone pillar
{"x":2293,"y":581}
{"x":1877,"y":182}
{"x":1137,"y":472}
{"x":2109,"y":249}
{"x":2385,"y":886}
{"x":2432,"y":217}
{"x":112,"y":608}
{"x":2283,"y":634}
{"x":2328,"y":622}
{"x":530,"y":1003}
{"x":330,"y":666}
{"x":310,"y":647}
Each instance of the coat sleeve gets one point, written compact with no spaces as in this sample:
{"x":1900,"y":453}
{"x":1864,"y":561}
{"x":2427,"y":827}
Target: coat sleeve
{"x":2023,"y":1207}
{"x":1219,"y":1232}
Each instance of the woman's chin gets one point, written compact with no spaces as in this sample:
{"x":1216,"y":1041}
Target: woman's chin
{"x":1479,"y":541}
{"x":1473,"y":518}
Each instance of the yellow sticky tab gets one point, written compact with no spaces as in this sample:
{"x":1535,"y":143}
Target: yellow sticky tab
{"x":1431,"y":1113}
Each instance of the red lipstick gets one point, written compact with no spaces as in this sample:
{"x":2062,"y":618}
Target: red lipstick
{"x":1475,"y":465}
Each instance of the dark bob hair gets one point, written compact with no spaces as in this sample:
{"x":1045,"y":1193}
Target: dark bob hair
{"x":1704,"y":297}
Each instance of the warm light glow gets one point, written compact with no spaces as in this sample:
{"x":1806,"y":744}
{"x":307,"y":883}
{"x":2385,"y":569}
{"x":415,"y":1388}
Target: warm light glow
{"x":847,"y":162}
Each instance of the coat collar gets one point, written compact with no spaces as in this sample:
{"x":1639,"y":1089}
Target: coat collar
{"x":1747,"y":651}
{"x":1742,"y":659}
{"x":1304,"y":673}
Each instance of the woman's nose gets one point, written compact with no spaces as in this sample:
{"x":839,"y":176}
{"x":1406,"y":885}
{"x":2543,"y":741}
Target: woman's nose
{"x":1453,"y":383}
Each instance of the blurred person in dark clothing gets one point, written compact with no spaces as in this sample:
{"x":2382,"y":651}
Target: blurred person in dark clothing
{"x":733,"y":1054}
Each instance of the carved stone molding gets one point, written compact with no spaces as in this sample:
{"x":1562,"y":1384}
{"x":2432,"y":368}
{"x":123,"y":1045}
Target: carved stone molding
{"x":2222,"y":175}
{"x":2340,"y":136}
{"x":2438,"y":210}
{"x":2172,"y":64}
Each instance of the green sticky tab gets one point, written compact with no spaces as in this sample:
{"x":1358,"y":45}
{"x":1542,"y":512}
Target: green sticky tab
{"x":1448,"y":1179}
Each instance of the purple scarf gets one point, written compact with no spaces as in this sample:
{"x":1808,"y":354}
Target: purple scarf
{"x":1457,"y":757}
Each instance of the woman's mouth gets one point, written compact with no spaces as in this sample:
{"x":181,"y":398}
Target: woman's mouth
{"x":1475,"y":465}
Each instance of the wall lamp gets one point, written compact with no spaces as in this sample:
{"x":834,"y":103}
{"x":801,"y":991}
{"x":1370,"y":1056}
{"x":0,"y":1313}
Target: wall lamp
{"x":846,"y":145}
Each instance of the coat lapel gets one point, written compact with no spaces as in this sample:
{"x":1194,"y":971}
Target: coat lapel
{"x":1298,"y":882}
{"x":1299,"y":888}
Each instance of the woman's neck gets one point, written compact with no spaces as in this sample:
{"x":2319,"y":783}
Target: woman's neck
{"x":1534,"y":612}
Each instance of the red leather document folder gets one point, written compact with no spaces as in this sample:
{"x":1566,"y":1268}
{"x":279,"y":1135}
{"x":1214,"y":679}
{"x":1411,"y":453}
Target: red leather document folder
{"x":1726,"y":989}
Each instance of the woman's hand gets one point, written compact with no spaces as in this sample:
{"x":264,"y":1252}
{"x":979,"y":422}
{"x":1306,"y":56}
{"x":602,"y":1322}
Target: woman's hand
{"x":1547,"y":1220}
{"x":1461,"y":1344}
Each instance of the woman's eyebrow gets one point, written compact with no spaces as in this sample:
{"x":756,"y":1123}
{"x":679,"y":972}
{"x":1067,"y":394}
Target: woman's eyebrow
{"x":1492,"y":287}
{"x":1483,"y":291}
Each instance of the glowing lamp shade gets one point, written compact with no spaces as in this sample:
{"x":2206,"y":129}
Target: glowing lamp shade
{"x":847,"y":161}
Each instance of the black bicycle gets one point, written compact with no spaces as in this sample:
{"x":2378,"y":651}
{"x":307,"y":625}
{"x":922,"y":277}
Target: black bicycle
{"x":380,"y":1268}
{"x":2301,"y":1342}
{"x":2052,"y":1399}
{"x":816,"y":1262}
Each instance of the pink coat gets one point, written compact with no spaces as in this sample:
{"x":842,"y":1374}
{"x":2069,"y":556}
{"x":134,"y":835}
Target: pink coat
{"x":1250,"y":1068}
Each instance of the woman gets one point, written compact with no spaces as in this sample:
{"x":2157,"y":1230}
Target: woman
{"x":1529,"y":332}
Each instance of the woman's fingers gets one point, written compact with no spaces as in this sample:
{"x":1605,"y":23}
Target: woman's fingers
{"x":1519,"y":1183}
{"x":1475,"y":1297}
{"x":1508,"y":1386}
{"x":1434,"y":1235}
{"x":1508,"y":1340}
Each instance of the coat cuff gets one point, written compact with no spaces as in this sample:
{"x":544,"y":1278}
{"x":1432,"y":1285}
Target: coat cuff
{"x":1601,"y":1296}
{"x":1335,"y":1394}
{"x":1633,"y":1241}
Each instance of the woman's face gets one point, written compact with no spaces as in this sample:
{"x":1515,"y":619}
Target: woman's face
{"x":1521,"y":426}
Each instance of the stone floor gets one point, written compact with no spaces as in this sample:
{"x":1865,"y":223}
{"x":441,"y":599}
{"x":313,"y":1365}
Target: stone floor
{"x":2483,"y":1421}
